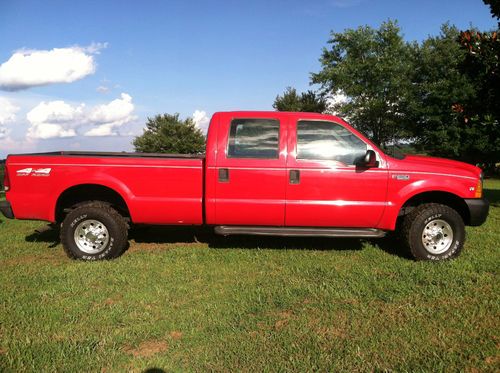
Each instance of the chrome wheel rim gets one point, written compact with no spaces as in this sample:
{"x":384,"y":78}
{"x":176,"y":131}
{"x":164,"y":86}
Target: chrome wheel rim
{"x":91,"y":236}
{"x":437,"y":236}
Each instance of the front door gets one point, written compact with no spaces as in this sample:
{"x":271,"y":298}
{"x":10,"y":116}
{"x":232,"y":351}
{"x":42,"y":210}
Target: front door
{"x":325,"y":188}
{"x":251,"y":170}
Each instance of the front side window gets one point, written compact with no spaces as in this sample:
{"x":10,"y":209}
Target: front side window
{"x":319,"y":140}
{"x":254,"y":138}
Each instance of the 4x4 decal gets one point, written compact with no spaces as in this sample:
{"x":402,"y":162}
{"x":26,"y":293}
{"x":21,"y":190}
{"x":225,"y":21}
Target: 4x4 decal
{"x":34,"y":172}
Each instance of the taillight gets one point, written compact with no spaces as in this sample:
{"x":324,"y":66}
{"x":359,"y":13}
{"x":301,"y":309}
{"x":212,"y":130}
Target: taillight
{"x":6,"y":181}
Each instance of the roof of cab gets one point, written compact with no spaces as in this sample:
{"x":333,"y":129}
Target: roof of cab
{"x":256,"y":113}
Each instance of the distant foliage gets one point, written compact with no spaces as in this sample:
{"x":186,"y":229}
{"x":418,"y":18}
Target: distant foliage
{"x":166,"y":133}
{"x":481,"y":66}
{"x":494,"y":9}
{"x":373,"y":68}
{"x":440,"y":90}
{"x":308,"y":101}
{"x":442,"y":95}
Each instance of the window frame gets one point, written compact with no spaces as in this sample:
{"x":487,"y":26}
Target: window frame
{"x":277,"y":120}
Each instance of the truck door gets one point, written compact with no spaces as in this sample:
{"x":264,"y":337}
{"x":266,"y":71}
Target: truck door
{"x":251,"y":170}
{"x":325,"y":188}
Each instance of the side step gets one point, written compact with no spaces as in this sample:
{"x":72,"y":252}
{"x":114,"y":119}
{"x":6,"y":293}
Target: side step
{"x":228,"y":230}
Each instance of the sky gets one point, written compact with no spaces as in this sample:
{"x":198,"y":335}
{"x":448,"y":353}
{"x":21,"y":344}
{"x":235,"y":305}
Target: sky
{"x":86,"y":75}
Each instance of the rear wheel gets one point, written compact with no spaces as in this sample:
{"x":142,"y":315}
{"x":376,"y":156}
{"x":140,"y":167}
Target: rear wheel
{"x":434,"y":232}
{"x":94,"y":231}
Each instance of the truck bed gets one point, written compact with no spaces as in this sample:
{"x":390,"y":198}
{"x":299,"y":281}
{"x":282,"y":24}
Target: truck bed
{"x":157,"y":188}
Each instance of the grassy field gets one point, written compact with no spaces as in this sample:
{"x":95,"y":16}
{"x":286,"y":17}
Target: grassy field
{"x":250,"y":304}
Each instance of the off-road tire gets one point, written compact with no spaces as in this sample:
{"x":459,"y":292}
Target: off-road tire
{"x":115,"y":225}
{"x":421,"y":216}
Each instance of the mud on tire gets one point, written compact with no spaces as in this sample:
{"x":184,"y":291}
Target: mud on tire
{"x":94,"y":231}
{"x":433,"y":232}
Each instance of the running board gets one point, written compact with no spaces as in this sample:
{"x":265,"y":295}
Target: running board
{"x":226,"y":230}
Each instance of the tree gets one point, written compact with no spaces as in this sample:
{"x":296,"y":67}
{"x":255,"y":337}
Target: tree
{"x":308,"y":101}
{"x":481,"y":65}
{"x":167,"y":133}
{"x":440,"y":91}
{"x":373,"y":68}
{"x":494,"y":9}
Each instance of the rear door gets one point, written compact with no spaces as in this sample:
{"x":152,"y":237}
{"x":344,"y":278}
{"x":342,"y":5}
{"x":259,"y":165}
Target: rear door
{"x":325,"y":188}
{"x":251,"y":170}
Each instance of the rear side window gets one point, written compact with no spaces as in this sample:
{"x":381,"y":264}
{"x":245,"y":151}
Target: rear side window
{"x":320,"y":140}
{"x":254,"y":138}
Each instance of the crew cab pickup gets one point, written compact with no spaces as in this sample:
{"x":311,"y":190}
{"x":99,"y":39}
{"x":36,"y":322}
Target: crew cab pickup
{"x":264,"y":173}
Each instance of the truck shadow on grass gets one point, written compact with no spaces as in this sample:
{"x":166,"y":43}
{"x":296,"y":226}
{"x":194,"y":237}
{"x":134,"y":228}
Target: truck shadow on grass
{"x":191,"y":235}
{"x":493,"y":195}
{"x":46,"y":233}
{"x":158,"y":235}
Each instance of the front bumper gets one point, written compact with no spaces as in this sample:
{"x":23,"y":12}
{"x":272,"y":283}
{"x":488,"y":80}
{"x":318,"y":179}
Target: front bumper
{"x":6,"y":209}
{"x":478,"y":210}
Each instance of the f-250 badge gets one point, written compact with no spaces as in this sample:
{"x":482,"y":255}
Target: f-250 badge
{"x":34,"y":172}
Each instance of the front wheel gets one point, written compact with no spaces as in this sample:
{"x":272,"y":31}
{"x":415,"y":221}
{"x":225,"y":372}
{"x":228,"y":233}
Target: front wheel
{"x":94,"y":231}
{"x":434,"y":232}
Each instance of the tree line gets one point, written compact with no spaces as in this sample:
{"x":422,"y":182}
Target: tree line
{"x":440,"y":96}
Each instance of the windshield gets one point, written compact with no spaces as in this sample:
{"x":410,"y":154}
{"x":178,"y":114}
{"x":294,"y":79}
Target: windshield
{"x":393,"y":150}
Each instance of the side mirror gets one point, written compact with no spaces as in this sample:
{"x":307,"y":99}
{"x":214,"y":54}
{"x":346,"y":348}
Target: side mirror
{"x":369,"y":160}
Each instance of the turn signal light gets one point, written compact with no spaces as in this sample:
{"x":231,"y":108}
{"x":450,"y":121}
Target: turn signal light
{"x":479,"y":189}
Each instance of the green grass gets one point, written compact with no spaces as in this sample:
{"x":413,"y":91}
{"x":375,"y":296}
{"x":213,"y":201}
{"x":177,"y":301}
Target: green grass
{"x":249,"y":304}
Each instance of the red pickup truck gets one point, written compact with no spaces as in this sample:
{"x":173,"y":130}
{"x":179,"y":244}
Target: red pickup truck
{"x":264,"y":173}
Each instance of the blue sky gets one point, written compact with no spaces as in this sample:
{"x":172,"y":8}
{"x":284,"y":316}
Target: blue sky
{"x":135,"y":59}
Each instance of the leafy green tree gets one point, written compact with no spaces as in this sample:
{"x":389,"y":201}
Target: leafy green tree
{"x":440,"y":91}
{"x":167,"y":133}
{"x":308,"y":101}
{"x":458,"y":90}
{"x":494,"y":9}
{"x":481,"y":65}
{"x":373,"y":68}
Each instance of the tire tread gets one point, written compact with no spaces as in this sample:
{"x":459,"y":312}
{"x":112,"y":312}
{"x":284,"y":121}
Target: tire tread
{"x":427,"y":208}
{"x":101,"y":206}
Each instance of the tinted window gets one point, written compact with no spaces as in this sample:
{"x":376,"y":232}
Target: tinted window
{"x":328,"y":141}
{"x":254,"y":138}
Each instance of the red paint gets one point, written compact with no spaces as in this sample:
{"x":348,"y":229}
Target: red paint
{"x":259,"y":192}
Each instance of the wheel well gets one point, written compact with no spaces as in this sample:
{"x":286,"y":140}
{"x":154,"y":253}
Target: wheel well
{"x":444,"y":198}
{"x":79,"y":194}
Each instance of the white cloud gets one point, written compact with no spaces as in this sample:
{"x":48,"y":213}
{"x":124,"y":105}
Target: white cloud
{"x":333,"y":101}
{"x":7,"y":111}
{"x":111,"y":116}
{"x":7,"y":115}
{"x":3,"y":132}
{"x":54,"y":119}
{"x":94,"y":48}
{"x":9,"y":145}
{"x":59,"y":119}
{"x":31,"y":68}
{"x":201,"y":119}
{"x":102,"y":130}
{"x":102,"y":89}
